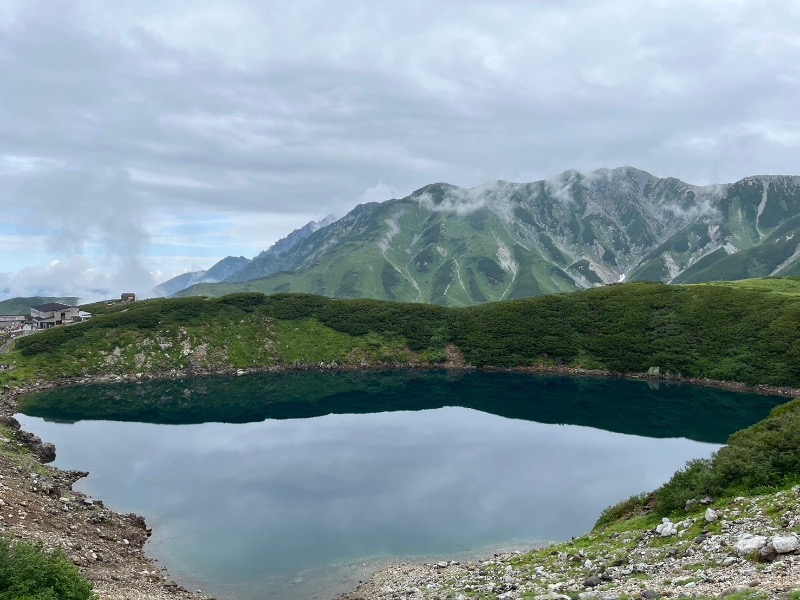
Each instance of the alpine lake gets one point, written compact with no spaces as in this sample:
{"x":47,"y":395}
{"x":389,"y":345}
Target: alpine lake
{"x":298,"y":485}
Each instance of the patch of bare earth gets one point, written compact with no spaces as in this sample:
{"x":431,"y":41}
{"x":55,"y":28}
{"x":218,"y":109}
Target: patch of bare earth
{"x":455,"y":360}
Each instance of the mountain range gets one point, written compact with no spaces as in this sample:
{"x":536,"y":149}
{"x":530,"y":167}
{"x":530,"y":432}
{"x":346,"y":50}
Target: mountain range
{"x":447,"y":245}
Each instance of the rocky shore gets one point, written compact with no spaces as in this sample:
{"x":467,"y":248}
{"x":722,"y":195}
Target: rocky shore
{"x":746,"y":545}
{"x":38,"y":504}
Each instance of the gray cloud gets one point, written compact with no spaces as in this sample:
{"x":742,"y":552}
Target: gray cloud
{"x":281,"y":110}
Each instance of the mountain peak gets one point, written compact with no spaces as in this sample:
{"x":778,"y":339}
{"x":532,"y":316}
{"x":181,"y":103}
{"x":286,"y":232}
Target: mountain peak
{"x":451,"y":245}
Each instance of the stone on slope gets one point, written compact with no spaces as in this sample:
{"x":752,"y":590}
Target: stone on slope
{"x":666,"y":528}
{"x":748,"y":544}
{"x":785,"y":543}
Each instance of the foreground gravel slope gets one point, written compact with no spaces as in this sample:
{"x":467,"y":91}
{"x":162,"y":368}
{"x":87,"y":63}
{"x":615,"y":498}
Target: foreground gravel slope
{"x":714,"y":551}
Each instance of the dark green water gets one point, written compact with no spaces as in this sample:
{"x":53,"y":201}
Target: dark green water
{"x":293,"y":485}
{"x":624,"y":406}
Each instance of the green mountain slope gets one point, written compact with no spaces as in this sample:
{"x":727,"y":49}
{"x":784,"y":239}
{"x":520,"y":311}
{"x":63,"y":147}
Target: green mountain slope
{"x":455,"y":247}
{"x":753,"y":231}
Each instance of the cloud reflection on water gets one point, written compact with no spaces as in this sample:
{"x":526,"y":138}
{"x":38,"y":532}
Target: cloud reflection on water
{"x":237,"y":502}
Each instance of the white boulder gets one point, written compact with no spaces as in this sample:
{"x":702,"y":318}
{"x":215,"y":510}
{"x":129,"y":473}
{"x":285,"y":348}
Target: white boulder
{"x":749,"y":544}
{"x":785,"y":543}
{"x":666,"y":528}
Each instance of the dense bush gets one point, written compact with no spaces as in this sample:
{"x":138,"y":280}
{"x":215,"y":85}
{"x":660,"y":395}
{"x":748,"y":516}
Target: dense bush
{"x":420,"y":325}
{"x":29,"y":573}
{"x":762,"y":457}
{"x":728,"y":333}
{"x":766,"y":455}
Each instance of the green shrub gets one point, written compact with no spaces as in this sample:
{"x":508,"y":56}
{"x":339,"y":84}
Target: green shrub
{"x":626,"y":509}
{"x":764,"y":456}
{"x":27,"y":572}
{"x":693,"y":481}
{"x":729,"y":333}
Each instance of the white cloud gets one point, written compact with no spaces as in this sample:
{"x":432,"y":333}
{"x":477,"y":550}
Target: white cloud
{"x":378,"y":193}
{"x":75,"y":276}
{"x":261,"y":115}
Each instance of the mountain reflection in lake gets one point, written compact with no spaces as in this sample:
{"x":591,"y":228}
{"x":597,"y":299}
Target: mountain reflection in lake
{"x":243,"y":509}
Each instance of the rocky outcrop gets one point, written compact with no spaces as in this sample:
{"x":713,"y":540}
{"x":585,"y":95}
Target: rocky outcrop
{"x":45,"y":451}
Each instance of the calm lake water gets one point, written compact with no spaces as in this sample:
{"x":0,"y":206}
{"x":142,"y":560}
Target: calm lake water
{"x":296,"y":485}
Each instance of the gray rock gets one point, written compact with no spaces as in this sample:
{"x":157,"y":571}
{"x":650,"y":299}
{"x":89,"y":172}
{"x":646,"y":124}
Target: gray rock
{"x":748,"y":544}
{"x":711,"y":515}
{"x":706,"y":500}
{"x":691,"y":504}
{"x":785,"y":543}
{"x":733,"y":590}
{"x":46,"y":452}
{"x":729,"y":561}
{"x":666,"y":528}
{"x":592,"y":581}
{"x":650,"y":595}
{"x":767,"y":552}
{"x":9,"y":422}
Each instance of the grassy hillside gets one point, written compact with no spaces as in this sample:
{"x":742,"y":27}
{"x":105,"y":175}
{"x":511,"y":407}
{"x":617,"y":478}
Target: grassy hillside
{"x":402,"y":251}
{"x":748,"y":332}
{"x":22,"y":306}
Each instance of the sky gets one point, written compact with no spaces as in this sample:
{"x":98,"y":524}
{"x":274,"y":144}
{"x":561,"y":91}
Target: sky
{"x":141,"y":139}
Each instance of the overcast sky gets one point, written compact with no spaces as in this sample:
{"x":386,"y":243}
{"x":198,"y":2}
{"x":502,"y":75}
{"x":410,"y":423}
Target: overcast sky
{"x":140,"y":139}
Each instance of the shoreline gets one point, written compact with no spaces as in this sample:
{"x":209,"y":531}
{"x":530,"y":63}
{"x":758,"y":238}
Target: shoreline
{"x":94,"y":538}
{"x":39,"y":505}
{"x":734,"y":386}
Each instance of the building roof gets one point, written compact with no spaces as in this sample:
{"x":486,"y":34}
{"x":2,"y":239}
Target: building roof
{"x":51,"y":307}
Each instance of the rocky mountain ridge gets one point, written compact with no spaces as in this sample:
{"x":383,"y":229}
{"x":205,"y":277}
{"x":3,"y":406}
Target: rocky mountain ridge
{"x":447,"y":245}
{"x":233,"y":268}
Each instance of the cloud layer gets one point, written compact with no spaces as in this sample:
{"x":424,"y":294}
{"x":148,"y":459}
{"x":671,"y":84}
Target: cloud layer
{"x":139,"y":136}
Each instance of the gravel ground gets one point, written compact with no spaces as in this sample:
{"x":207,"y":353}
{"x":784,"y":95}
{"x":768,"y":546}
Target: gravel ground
{"x":709,"y":553}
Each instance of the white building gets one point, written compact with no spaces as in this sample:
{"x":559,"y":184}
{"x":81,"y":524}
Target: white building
{"x":52,"y":314}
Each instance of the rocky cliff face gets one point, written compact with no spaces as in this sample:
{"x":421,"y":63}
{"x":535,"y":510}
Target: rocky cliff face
{"x":453,"y":246}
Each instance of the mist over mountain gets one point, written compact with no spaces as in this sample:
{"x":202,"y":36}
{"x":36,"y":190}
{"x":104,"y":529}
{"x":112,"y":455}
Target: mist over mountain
{"x":453,"y":246}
